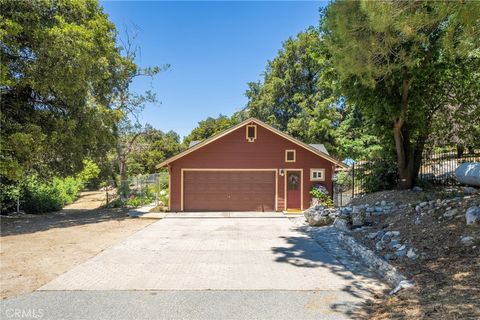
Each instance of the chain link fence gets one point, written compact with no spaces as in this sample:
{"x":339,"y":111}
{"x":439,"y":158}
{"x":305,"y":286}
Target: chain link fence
{"x":139,"y":190}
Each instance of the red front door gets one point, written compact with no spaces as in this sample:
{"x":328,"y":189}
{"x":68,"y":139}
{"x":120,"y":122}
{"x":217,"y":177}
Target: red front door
{"x":293,"y":190}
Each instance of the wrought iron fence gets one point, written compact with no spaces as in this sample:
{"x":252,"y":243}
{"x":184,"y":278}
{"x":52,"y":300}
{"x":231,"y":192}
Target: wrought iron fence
{"x":351,"y":183}
{"x":437,"y":168}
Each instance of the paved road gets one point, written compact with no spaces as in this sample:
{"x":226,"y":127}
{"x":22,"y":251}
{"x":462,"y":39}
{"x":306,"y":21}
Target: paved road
{"x":206,"y":266}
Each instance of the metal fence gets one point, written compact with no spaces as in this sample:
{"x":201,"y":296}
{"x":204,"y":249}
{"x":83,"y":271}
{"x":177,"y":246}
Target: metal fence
{"x":351,"y":183}
{"x":437,"y":169}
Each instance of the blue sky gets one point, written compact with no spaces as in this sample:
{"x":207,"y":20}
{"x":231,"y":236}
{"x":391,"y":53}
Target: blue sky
{"x":214,"y":49}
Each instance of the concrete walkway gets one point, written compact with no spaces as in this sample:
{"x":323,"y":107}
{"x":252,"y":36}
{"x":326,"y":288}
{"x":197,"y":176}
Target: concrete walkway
{"x":258,"y":258}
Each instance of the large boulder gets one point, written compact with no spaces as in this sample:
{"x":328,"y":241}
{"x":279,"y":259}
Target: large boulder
{"x":320,"y":216}
{"x":319,"y":220}
{"x":473,"y":215}
{"x":469,"y":173}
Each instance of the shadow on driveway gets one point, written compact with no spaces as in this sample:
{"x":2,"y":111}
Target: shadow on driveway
{"x":363,"y":283}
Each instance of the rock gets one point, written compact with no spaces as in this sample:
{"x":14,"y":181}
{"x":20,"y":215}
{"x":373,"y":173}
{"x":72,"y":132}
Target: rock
{"x":383,"y":203}
{"x":319,"y":220}
{"x":467,"y":240}
{"x":378,"y":209}
{"x":355,"y":209}
{"x":469,"y":190}
{"x":450,"y":213}
{"x":472,"y":215}
{"x":404,"y":284}
{"x":372,"y":235}
{"x":411,"y":254}
{"x":358,"y":220}
{"x":417,"y":189}
{"x":418,"y":208}
{"x":379,"y":245}
{"x":370,"y":209}
{"x":393,"y":243}
{"x":468,"y":173}
{"x":402,"y":247}
{"x":368,"y":218}
{"x":389,"y":256}
{"x":392,"y":233}
{"x":341,"y":224}
{"x":401,"y":253}
{"x":423,"y":204}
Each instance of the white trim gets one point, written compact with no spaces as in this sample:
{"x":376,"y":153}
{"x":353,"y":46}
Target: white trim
{"x":294,"y":155}
{"x":301,"y":188}
{"x":226,"y":169}
{"x":264,"y":125}
{"x":312,"y":170}
{"x":254,"y":126}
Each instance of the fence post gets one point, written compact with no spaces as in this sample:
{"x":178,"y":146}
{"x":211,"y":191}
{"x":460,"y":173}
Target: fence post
{"x":353,"y":180}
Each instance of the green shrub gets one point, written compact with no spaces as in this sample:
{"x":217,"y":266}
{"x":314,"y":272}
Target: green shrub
{"x":139,"y":199}
{"x":9,"y":195}
{"x":320,"y":192}
{"x":89,"y":172}
{"x":40,"y":196}
{"x":68,"y":188}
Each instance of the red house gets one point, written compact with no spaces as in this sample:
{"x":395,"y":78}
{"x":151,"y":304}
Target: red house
{"x":249,"y":167}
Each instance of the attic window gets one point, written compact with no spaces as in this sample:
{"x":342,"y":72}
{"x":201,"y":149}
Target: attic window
{"x":290,"y":156}
{"x":251,"y":132}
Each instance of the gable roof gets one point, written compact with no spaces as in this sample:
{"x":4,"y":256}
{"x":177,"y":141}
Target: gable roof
{"x":262,"y":124}
{"x":319,"y":147}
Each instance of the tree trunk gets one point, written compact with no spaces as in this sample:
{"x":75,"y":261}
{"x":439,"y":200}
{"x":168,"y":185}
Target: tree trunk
{"x":404,"y":150}
{"x":405,"y":163}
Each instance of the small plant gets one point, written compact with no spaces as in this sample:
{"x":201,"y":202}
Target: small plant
{"x":320,"y":192}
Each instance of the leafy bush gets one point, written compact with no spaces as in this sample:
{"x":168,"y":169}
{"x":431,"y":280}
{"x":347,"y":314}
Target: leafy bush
{"x":163,"y":196}
{"x":39,"y":197}
{"x":320,"y":192}
{"x":8,"y":197}
{"x":68,"y":188}
{"x":136,"y":200}
{"x":89,"y":172}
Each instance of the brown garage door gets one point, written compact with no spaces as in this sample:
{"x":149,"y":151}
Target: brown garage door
{"x":229,"y":190}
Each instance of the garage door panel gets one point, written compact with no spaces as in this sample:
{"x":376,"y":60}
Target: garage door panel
{"x":229,"y":190}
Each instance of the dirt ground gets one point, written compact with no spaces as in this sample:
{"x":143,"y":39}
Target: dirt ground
{"x":35,"y":249}
{"x":446,"y":273}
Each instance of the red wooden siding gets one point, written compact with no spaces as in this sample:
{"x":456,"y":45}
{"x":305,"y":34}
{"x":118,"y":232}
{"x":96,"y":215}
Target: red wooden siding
{"x":233,"y":151}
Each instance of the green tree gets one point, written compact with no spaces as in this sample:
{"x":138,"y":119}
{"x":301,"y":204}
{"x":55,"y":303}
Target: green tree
{"x":151,"y":148}
{"x":57,"y":72}
{"x":401,"y":62}
{"x":296,"y":94}
{"x":209,"y":127}
{"x":354,"y":137}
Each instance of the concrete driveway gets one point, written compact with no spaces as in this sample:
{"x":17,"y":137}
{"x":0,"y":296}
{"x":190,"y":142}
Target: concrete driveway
{"x":231,"y":258}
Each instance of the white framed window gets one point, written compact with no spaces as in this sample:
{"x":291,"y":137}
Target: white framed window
{"x":290,"y":156}
{"x":317,"y":174}
{"x":251,"y":132}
